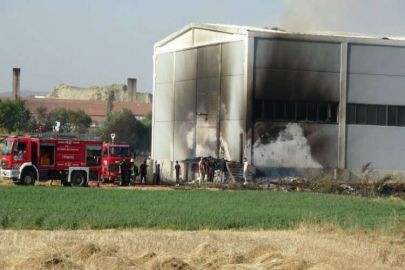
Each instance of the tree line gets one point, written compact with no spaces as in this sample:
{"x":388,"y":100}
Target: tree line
{"x":15,"y":117}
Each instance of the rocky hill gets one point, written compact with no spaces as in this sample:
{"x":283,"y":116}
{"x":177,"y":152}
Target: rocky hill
{"x":64,"y":91}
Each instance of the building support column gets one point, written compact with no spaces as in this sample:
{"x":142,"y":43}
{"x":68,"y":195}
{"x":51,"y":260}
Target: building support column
{"x":174,"y":107}
{"x":218,"y":152}
{"x":342,"y":107}
{"x":153,"y":106}
{"x":249,"y":77}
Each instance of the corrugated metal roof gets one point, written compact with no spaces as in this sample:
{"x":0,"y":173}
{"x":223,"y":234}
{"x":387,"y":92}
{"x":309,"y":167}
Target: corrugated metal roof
{"x":319,"y":33}
{"x":243,"y":30}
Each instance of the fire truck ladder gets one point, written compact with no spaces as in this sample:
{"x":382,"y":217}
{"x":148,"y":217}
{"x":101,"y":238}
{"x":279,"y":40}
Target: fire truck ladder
{"x":59,"y":135}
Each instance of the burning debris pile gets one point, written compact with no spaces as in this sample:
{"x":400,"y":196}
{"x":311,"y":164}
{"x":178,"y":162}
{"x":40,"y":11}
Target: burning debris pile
{"x":387,"y":186}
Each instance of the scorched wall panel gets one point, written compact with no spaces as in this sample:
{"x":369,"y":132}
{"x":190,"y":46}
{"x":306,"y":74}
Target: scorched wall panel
{"x":296,"y":71}
{"x":297,"y":55}
{"x":207,"y":105}
{"x":185,"y":100}
{"x":232,"y":98}
{"x":163,"y":140}
{"x":208,"y":62}
{"x":233,"y":57}
{"x":295,"y":145}
{"x":186,"y":65}
{"x":232,"y":114}
{"x":164,"y":110}
{"x":297,"y":85}
{"x":184,"y":140}
{"x":232,"y":139}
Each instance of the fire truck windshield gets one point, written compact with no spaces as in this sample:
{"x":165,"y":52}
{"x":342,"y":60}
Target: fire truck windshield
{"x":7,"y":147}
{"x":119,"y":151}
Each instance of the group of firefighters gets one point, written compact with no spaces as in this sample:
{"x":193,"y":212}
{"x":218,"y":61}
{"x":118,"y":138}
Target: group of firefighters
{"x":128,"y":174}
{"x":207,"y":168}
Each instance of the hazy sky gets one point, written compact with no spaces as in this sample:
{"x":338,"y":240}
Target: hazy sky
{"x":98,"y":42}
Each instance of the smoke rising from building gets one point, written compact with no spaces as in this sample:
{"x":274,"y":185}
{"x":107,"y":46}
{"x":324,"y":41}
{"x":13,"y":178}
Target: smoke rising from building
{"x":361,"y":16}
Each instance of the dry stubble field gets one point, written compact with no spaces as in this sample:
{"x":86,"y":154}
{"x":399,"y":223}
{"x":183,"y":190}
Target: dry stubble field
{"x":162,"y":249}
{"x":302,"y":247}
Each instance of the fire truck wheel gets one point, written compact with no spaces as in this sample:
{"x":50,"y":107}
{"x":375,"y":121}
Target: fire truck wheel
{"x":28,"y":178}
{"x":65,"y":183}
{"x":16,"y":182}
{"x":78,"y":179}
{"x":123,"y":182}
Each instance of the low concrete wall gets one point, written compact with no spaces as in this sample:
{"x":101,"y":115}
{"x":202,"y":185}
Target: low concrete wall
{"x":189,"y":171}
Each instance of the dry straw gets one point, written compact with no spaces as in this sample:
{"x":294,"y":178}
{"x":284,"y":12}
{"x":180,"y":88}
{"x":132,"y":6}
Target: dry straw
{"x":303,"y":248}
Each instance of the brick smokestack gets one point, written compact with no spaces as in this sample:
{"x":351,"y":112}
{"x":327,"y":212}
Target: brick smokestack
{"x":131,"y":89}
{"x":16,"y":83}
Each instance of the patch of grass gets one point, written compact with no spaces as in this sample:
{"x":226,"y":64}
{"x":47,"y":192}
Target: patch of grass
{"x":52,"y":208}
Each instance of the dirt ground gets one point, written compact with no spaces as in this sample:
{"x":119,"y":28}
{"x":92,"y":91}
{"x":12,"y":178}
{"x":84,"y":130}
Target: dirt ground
{"x":144,"y":249}
{"x":170,"y":186}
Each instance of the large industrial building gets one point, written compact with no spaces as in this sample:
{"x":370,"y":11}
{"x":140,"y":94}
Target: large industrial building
{"x":286,"y":101}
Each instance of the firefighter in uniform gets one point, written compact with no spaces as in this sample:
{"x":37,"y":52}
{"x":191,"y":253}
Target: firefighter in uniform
{"x":122,"y":173}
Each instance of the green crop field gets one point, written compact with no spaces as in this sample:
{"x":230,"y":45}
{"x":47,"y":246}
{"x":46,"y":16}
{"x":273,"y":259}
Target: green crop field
{"x":91,"y":208}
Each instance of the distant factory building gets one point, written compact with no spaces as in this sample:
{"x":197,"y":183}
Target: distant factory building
{"x":289,"y":102}
{"x":96,"y":109}
{"x":84,"y":99}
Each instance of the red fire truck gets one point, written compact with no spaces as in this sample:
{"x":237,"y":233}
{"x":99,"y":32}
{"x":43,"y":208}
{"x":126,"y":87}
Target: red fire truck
{"x":112,"y":155}
{"x":75,"y":161}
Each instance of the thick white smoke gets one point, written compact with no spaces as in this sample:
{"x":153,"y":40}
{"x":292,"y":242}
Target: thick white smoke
{"x":381,"y":17}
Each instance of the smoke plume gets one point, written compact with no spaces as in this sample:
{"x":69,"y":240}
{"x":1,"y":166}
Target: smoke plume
{"x":357,"y":16}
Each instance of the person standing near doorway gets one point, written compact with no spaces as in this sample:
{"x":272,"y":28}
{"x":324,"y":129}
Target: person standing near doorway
{"x":211,"y":170}
{"x":201,"y":168}
{"x":154,"y":175}
{"x":134,"y":171}
{"x":177,"y":168}
{"x":158,"y":174}
{"x":143,"y":168}
{"x":245,"y":170}
{"x":222,"y":168}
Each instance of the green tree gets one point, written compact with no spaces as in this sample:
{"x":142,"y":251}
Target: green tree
{"x":23,"y":118}
{"x":42,"y":112}
{"x":14,"y":116}
{"x":6,"y":115}
{"x":70,"y":120}
{"x":57,"y":115}
{"x":128,"y":129}
{"x":78,"y":120}
{"x":110,"y":104}
{"x":147,"y":120}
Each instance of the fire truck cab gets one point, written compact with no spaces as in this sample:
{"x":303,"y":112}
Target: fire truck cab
{"x":112,"y":155}
{"x":28,"y":159}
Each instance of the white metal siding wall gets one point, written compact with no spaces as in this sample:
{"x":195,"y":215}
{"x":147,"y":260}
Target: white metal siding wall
{"x":209,"y":81}
{"x":233,"y":113}
{"x":376,"y":76}
{"x":184,"y":104}
{"x":164,"y":110}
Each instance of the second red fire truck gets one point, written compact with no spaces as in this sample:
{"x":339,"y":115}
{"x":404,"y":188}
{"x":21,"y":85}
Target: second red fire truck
{"x":73,"y":160}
